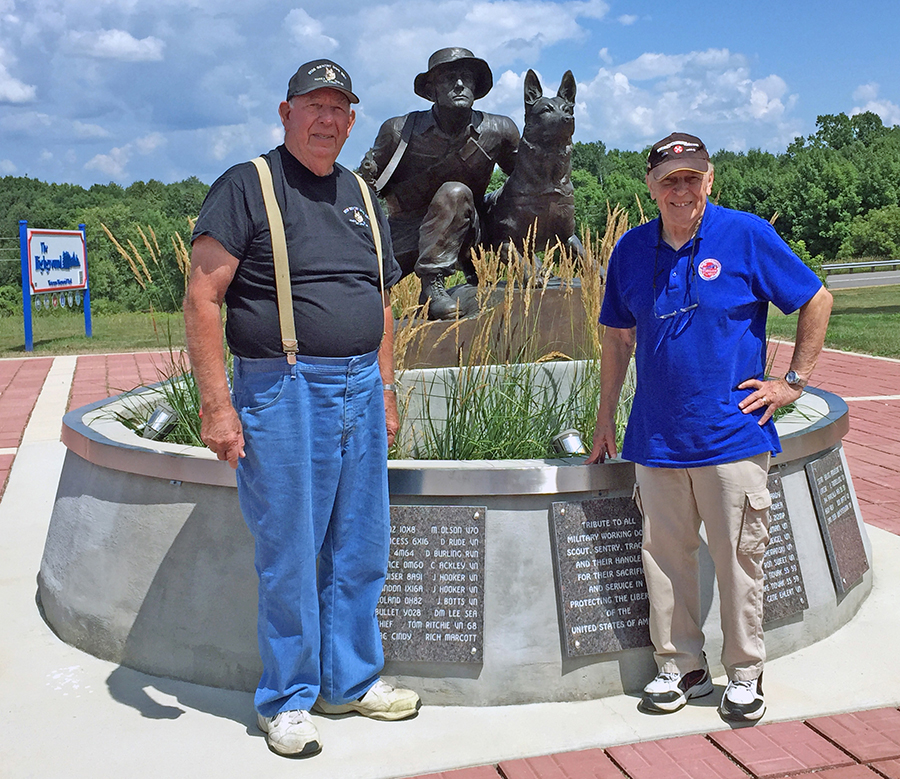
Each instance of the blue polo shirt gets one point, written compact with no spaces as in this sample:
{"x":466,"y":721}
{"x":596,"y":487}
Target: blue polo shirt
{"x":700,"y":318}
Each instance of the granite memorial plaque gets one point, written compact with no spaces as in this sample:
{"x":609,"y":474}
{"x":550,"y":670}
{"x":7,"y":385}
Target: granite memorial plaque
{"x":837,"y":520}
{"x":784,"y":591}
{"x":600,"y":588}
{"x":431,"y":609}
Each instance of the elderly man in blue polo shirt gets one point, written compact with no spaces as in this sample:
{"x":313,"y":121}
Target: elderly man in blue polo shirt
{"x":688,"y":293}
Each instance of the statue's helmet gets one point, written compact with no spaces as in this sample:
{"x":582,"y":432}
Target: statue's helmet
{"x":456,"y":55}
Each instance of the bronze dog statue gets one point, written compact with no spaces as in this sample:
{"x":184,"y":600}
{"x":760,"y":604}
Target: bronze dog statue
{"x":540,"y":186}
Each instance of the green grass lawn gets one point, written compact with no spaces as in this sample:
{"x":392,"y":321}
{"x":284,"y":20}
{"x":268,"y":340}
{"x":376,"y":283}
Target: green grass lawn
{"x":62,"y":332}
{"x":865,"y":320}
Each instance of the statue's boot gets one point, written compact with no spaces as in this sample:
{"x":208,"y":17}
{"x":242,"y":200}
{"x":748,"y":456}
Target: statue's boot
{"x":440,"y":304}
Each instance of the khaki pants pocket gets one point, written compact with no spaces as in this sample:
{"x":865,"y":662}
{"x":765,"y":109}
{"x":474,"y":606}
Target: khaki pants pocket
{"x":755,"y":523}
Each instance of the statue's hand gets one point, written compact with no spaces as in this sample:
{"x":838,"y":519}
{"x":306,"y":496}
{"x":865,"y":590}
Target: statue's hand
{"x":367,"y":168}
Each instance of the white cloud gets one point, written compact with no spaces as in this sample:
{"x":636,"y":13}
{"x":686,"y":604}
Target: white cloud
{"x":84,"y":130}
{"x":150,"y":143}
{"x":888,"y":111}
{"x":25,"y":122}
{"x":765,"y":97}
{"x":657,"y":93}
{"x":866,"y":91}
{"x":503,"y":32}
{"x":7,"y":168}
{"x":605,"y":55}
{"x":309,"y":32}
{"x":222,"y":141}
{"x":112,"y":164}
{"x":115,"y":163}
{"x":12,"y":90}
{"x":115,"y":44}
{"x":654,"y":65}
{"x":627,"y":19}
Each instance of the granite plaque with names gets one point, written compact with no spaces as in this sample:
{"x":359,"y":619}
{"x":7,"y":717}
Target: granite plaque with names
{"x":837,"y":520}
{"x":432,"y":605}
{"x":784,"y":591}
{"x":600,"y":588}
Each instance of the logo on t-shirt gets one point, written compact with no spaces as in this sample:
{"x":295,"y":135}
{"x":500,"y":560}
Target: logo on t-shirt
{"x":357,"y":216}
{"x":709,"y":269}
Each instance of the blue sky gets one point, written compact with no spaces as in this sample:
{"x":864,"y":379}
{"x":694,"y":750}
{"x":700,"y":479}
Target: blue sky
{"x":93,"y":91}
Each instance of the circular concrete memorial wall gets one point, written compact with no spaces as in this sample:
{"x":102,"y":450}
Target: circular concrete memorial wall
{"x":509,"y":581}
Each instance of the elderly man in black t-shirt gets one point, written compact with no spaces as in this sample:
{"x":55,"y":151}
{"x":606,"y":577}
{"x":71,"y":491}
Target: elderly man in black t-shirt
{"x":308,"y":434}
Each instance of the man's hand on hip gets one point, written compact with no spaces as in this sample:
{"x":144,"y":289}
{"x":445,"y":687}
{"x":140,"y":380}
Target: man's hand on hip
{"x":772,"y":394}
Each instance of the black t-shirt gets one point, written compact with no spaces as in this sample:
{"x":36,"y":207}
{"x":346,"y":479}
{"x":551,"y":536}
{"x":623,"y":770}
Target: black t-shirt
{"x":331,"y":253}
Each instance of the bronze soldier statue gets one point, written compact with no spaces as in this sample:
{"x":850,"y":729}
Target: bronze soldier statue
{"x":433,"y":168}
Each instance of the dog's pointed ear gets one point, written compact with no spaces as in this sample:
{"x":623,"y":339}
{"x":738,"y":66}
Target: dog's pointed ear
{"x":533,"y":89}
{"x":567,"y":87}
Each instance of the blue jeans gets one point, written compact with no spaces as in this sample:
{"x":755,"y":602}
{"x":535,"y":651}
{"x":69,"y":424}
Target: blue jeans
{"x":313,"y":491}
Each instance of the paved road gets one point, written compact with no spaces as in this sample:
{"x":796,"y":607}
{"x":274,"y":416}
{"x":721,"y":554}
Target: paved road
{"x":863,"y":279}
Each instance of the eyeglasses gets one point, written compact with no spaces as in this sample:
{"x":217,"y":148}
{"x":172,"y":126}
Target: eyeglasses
{"x":691,"y":283}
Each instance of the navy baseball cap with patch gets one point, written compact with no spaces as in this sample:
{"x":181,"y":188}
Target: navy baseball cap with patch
{"x":678,"y":151}
{"x":320,"y":74}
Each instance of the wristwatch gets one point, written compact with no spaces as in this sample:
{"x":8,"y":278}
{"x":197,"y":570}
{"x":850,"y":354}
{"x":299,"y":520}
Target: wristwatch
{"x":794,"y":380}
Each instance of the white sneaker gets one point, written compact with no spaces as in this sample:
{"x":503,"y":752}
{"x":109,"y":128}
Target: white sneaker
{"x":670,"y":692}
{"x":290,"y":733}
{"x":743,"y":701}
{"x":381,"y":702}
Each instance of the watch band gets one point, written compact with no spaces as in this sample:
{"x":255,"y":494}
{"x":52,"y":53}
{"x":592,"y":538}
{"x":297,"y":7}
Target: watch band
{"x":390,"y":388}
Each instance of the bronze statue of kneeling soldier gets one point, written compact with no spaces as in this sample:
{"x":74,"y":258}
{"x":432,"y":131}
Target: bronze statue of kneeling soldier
{"x":433,"y":168}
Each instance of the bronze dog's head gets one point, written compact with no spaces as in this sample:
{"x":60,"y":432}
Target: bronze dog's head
{"x":549,"y":121}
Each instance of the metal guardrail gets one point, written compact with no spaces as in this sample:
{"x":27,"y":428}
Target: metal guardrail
{"x":867,"y":265}
{"x":9,"y":250}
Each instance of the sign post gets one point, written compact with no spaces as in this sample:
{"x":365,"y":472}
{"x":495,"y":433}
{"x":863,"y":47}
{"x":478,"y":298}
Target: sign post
{"x":53,"y":261}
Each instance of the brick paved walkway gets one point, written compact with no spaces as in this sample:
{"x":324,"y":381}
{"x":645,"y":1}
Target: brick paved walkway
{"x":862,"y":745}
{"x":97,"y":376}
{"x":20,"y":385}
{"x":871,"y":388}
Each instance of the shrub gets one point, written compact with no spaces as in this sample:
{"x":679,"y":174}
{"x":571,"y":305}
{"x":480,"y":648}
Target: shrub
{"x":10,"y":300}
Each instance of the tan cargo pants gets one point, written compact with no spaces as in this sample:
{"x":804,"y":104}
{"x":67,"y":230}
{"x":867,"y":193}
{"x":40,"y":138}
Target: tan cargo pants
{"x":732,"y":500}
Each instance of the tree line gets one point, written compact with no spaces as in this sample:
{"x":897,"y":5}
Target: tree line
{"x":151,"y":207}
{"x":833,"y":194}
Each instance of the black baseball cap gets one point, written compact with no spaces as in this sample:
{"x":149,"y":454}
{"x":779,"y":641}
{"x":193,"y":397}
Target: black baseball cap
{"x":320,"y":74}
{"x":678,"y":151}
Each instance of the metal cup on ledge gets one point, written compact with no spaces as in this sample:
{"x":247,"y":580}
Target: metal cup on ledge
{"x":568,"y":442}
{"x":160,"y":423}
